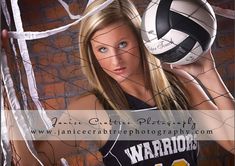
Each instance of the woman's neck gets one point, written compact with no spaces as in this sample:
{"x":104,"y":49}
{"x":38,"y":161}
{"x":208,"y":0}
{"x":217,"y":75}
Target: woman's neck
{"x":135,"y":86}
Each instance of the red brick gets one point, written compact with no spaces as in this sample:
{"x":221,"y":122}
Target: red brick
{"x":70,"y":72}
{"x":230,"y":84}
{"x":34,"y":27}
{"x":48,"y":2}
{"x":29,"y":3}
{"x":225,"y":40}
{"x":212,"y":162}
{"x":56,"y":103}
{"x":34,"y":16}
{"x":94,"y":159}
{"x":77,"y":87}
{"x":43,"y":26}
{"x":75,"y":160}
{"x":74,"y":8}
{"x":25,"y":17}
{"x":71,"y":89}
{"x":225,"y":25}
{"x":231,"y":70}
{"x":40,"y":47}
{"x":33,"y":61}
{"x":74,"y":57}
{"x":227,"y":5}
{"x":59,"y":58}
{"x":222,"y":55}
{"x":53,"y":90}
{"x":63,"y":41}
{"x":55,"y":12}
{"x":74,"y":28}
{"x":44,"y":61}
{"x":209,"y":150}
{"x":55,"y":59}
{"x":38,"y":77}
{"x":229,"y":160}
{"x":52,"y":25}
{"x":82,"y":84}
{"x":91,"y":159}
{"x":49,"y":75}
{"x":77,"y":8}
{"x":222,"y":71}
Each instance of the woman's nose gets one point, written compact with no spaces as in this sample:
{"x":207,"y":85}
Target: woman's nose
{"x":116,"y":56}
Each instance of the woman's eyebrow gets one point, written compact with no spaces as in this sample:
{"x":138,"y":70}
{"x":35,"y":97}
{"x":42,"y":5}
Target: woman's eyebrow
{"x":98,"y":44}
{"x":120,"y":40}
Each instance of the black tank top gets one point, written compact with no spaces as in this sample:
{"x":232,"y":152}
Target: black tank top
{"x":148,"y":153}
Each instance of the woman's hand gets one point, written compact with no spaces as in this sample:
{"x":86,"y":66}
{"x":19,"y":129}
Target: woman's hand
{"x":204,"y":64}
{"x":208,"y":78}
{"x":5,"y":41}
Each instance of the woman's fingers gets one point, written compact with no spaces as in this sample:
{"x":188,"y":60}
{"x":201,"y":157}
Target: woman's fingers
{"x":5,"y":40}
{"x":166,"y":66}
{"x":4,"y":33}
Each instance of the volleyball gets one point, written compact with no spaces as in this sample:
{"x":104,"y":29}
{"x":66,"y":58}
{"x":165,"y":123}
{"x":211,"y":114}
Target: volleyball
{"x":178,"y":31}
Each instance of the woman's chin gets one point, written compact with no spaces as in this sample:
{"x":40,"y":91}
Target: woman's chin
{"x":120,"y":78}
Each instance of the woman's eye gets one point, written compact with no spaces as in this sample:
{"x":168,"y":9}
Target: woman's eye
{"x":123,"y":44}
{"x":103,"y":50}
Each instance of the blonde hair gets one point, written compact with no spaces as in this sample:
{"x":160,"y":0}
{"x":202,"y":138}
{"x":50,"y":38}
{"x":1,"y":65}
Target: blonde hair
{"x":167,"y":91}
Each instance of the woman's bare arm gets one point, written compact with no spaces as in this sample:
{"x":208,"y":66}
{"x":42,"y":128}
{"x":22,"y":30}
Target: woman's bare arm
{"x":219,"y":98}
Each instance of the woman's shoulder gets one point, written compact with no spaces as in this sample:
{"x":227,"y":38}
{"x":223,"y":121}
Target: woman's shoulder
{"x":86,"y":101}
{"x":89,"y":102}
{"x":196,"y":92}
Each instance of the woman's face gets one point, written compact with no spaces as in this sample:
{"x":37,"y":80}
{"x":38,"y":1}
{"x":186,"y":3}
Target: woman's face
{"x":117,"y":51}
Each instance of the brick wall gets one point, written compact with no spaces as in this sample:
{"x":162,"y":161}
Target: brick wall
{"x":57,"y":67}
{"x":56,"y":58}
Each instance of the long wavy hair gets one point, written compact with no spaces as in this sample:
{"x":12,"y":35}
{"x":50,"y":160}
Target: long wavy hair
{"x":165,"y":87}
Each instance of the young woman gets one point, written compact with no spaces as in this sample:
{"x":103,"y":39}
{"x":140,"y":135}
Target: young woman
{"x":125,"y":76}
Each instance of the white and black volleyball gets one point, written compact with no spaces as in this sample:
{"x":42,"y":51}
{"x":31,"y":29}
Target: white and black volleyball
{"x":178,"y":31}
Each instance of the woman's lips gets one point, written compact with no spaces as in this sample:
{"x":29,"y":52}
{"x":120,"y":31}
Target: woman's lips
{"x":119,"y":70}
